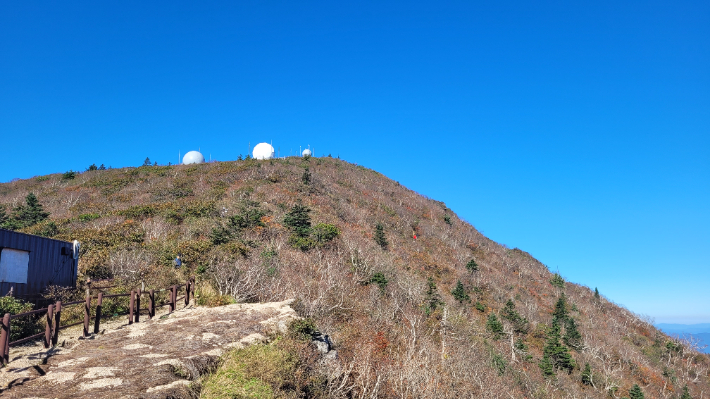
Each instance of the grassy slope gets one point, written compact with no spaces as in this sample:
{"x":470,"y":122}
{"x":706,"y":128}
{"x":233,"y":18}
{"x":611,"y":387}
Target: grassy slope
{"x":133,"y":221}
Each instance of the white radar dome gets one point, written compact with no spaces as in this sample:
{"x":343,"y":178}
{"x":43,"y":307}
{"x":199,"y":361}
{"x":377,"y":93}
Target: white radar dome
{"x":306,"y":153}
{"x":193,"y":157}
{"x":263,"y":151}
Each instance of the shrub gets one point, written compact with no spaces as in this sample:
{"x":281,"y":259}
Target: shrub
{"x":480,"y":307}
{"x":472,"y":266}
{"x":303,"y":329}
{"x":499,"y":364}
{"x":379,"y":279}
{"x":88,"y":217}
{"x":49,"y":230}
{"x":447,"y":219}
{"x":22,"y":326}
{"x":70,"y":175}
{"x":433,"y":299}
{"x":324,"y":232}
{"x":587,"y":375}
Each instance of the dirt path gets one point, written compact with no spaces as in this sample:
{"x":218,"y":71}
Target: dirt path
{"x":151,"y":359}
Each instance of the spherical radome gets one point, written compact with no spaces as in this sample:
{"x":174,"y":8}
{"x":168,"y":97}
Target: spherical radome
{"x":306,"y":153}
{"x":263,"y":151}
{"x":193,"y":157}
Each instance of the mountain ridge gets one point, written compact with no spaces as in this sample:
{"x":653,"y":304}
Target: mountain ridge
{"x":395,"y":312}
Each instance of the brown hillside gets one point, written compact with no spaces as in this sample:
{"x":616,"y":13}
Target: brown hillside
{"x":396,"y":334}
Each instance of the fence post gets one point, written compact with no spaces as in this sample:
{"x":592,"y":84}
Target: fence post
{"x":130,"y":307}
{"x":138,"y":305}
{"x":151,"y":304}
{"x":4,"y":337}
{"x":97,"y":320}
{"x":48,"y":330}
{"x":87,"y":311}
{"x":58,"y":310}
{"x":173,"y":290}
{"x":187,"y":292}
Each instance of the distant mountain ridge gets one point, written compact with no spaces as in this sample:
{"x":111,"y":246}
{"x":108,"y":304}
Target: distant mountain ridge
{"x":700,"y":331}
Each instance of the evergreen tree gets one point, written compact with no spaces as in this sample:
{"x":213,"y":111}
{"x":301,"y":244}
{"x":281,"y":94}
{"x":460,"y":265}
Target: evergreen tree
{"x":520,"y":324}
{"x":472,"y":266}
{"x":546,"y":366}
{"x":306,"y":178}
{"x":92,"y":167}
{"x":102,"y":167}
{"x":27,"y":215}
{"x":557,"y":353}
{"x":686,"y":394}
{"x":146,"y":162}
{"x":557,"y":281}
{"x":560,"y":313}
{"x":298,"y":220}
{"x":459,"y":293}
{"x":587,"y":375}
{"x":635,"y":392}
{"x":596,"y":293}
{"x":380,"y":236}
{"x":494,"y":326}
{"x":572,"y":337}
{"x":447,"y":219}
{"x":433,"y":299}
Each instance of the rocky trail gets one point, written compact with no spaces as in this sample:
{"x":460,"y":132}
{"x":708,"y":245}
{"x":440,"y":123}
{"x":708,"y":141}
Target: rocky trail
{"x":155,"y":358}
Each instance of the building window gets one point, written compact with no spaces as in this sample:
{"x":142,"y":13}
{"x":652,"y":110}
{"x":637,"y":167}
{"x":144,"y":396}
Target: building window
{"x":13,"y":266}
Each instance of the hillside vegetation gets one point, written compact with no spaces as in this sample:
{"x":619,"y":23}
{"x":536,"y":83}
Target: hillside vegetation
{"x":449,"y":313}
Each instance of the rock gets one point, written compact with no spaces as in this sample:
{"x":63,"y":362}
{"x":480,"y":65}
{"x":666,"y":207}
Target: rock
{"x":155,"y":358}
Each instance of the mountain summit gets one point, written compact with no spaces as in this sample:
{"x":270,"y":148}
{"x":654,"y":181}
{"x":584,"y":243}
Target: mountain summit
{"x":416,"y":301}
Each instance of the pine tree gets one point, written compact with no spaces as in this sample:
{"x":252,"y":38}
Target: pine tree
{"x":596,"y":293}
{"x":587,"y":375}
{"x":494,"y":326}
{"x":102,"y":167}
{"x":635,"y":392}
{"x":92,"y":167}
{"x":298,"y":220}
{"x":380,"y":236}
{"x":146,"y":162}
{"x":520,"y":324}
{"x":459,"y":293}
{"x":560,"y":312}
{"x":546,"y":366}
{"x":433,"y":299}
{"x":572,"y":337}
{"x":306,"y":178}
{"x":472,"y":266}
{"x":29,"y":214}
{"x":557,"y":353}
{"x":686,"y":394}
{"x":557,"y":281}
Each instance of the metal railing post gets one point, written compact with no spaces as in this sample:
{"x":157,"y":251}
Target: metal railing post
{"x":138,"y":305}
{"x":48,"y":330}
{"x":4,"y":337}
{"x":130,"y":307}
{"x":87,"y":315}
{"x":57,"y":315}
{"x":97,"y":320}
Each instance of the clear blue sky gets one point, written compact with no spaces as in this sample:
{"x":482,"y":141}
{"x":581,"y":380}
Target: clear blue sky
{"x":577,"y":131}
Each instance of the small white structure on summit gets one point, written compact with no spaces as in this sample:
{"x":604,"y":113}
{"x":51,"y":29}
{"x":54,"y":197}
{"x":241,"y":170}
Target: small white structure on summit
{"x":306,"y":153}
{"x":193,"y":157}
{"x":263,"y":151}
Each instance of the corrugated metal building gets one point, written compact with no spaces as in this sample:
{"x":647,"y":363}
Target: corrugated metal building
{"x":30,"y":263}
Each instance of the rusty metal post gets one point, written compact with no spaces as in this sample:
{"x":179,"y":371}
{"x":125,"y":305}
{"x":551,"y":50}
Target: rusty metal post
{"x":57,"y":315}
{"x":138,"y":305}
{"x":87,"y":315}
{"x":48,"y":330}
{"x":97,"y":319}
{"x":151,"y":304}
{"x":130,"y":307}
{"x":4,"y":337}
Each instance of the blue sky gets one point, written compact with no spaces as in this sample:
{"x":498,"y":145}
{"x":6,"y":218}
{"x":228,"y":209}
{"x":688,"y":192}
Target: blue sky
{"x":577,"y":132}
